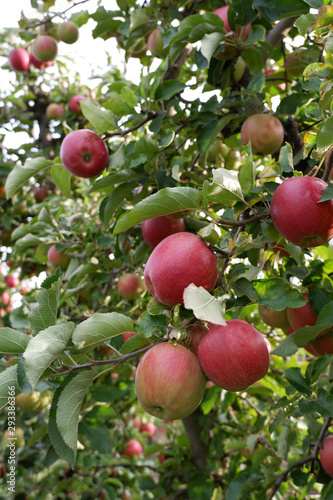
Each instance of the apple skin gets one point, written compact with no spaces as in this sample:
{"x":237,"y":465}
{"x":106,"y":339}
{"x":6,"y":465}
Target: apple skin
{"x":326,"y":455}
{"x":40,"y":194}
{"x":39,"y":64}
{"x":197,"y":333}
{"x":265,"y":132}
{"x":68,"y":32}
{"x":74,"y":105}
{"x":301,"y":316}
{"x":242,"y":32}
{"x":45,"y":48}
{"x":127,"y":336}
{"x":12,"y":281}
{"x":298,"y":216}
{"x":169,"y":382}
{"x":156,"y":229}
{"x":54,"y":111}
{"x":84,"y":153}
{"x":18,"y":436}
{"x":155,"y":44}
{"x":19,"y":59}
{"x":132,"y":447}
{"x":148,"y":427}
{"x":56,"y":258}
{"x":5,"y":298}
{"x":128,"y":286}
{"x":234,"y":356}
{"x":275,"y":319}
{"x":176,"y":262}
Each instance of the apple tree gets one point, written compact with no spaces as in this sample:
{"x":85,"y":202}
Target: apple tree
{"x":166,"y":292}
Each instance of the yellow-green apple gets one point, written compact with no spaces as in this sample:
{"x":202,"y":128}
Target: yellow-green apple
{"x":326,"y":455}
{"x":169,"y":382}
{"x":11,"y":281}
{"x":45,"y":48}
{"x":29,"y":401}
{"x":74,"y":104}
{"x":40,"y":193}
{"x":84,"y":153}
{"x":175,"y":263}
{"x":148,"y":427}
{"x":311,"y":223}
{"x":197,"y":333}
{"x":242,"y":31}
{"x":19,"y":59}
{"x":54,"y":111}
{"x":56,"y":258}
{"x":129,"y":285}
{"x":265,"y":132}
{"x":68,"y":32}
{"x":155,"y":44}
{"x":156,"y":229}
{"x":132,"y":447}
{"x":239,"y":69}
{"x":275,"y":319}
{"x":17,"y":435}
{"x":234,"y":356}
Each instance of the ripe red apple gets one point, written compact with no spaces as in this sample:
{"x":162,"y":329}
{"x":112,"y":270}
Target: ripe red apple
{"x":74,"y":104}
{"x":24,"y":290}
{"x":322,"y":344}
{"x":169,"y":382}
{"x":56,"y":258}
{"x":176,"y":262}
{"x":242,"y":32}
{"x":45,"y":48}
{"x":326,"y":455}
{"x":234,"y":356}
{"x":68,"y":32}
{"x":155,"y":44}
{"x":39,"y":64}
{"x":19,"y":59}
{"x":156,"y":229}
{"x":12,"y":281}
{"x":148,"y":427}
{"x":84,"y":153}
{"x":126,"y":336}
{"x":301,"y":316}
{"x":275,"y":319}
{"x":133,"y":447}
{"x":54,"y":111}
{"x":137,"y":422}
{"x":2,"y":192}
{"x":197,"y":333}
{"x":129,"y":286}
{"x":40,"y":193}
{"x":265,"y":132}
{"x":298,"y":216}
{"x":161,"y":458}
{"x":5,"y":298}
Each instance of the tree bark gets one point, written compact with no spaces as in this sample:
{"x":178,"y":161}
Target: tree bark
{"x":193,"y":431}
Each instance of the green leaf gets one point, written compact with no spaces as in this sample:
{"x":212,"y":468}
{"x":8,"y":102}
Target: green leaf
{"x":12,"y":341}
{"x":278,"y":294}
{"x":296,"y":379}
{"x":247,"y":172}
{"x":325,"y":137}
{"x":224,"y":188}
{"x":8,"y":383}
{"x":284,"y":442}
{"x":286,"y":158}
{"x":20,"y":175}
{"x":325,"y":399}
{"x":42,"y":350}
{"x":115,"y":200}
{"x":101,"y":327}
{"x":203,"y":305}
{"x":235,"y":489}
{"x":164,"y":202}
{"x":304,"y":335}
{"x":133,"y":344}
{"x":101,"y":119}
{"x":287,"y":347}
{"x":327,"y":194}
{"x":62,"y":179}
{"x":107,"y":183}
{"x":168,"y":89}
{"x":284,"y":8}
{"x":96,"y":435}
{"x":209,"y":44}
{"x":44,"y":312}
{"x":149,"y":324}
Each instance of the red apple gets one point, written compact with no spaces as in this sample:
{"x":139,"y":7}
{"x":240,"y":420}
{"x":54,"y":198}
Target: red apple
{"x":169,"y":382}
{"x":196,"y":335}
{"x":19,"y":59}
{"x":2,"y":192}
{"x":45,"y":48}
{"x":54,"y":111}
{"x":24,"y":290}
{"x":40,"y":193}
{"x":275,"y":319}
{"x":155,"y":44}
{"x":137,"y":422}
{"x":156,"y":229}
{"x":126,"y":336}
{"x":12,"y":281}
{"x":265,"y":132}
{"x":326,"y":455}
{"x":39,"y":64}
{"x":133,"y":447}
{"x":84,"y":153}
{"x":322,"y":344}
{"x":234,"y":356}
{"x":242,"y":32}
{"x":74,"y":104}
{"x":129,"y":286}
{"x":68,"y":32}
{"x":148,"y":427}
{"x":56,"y":258}
{"x":161,"y":458}
{"x":298,"y":216}
{"x":301,"y":316}
{"x":176,"y":262}
{"x":5,"y":298}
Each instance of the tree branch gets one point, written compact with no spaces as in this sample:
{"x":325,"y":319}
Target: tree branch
{"x":174,"y":69}
{"x":193,"y":431}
